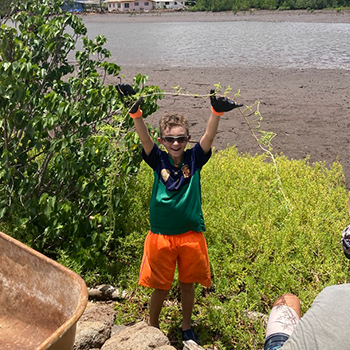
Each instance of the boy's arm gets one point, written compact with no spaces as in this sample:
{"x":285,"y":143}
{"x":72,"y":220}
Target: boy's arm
{"x":142,"y":131}
{"x":210,"y":133}
{"x":219,"y":105}
{"x":126,"y":90}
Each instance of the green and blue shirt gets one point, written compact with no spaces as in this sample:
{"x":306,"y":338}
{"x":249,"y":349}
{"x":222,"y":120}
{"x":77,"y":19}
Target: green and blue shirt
{"x":176,"y":201}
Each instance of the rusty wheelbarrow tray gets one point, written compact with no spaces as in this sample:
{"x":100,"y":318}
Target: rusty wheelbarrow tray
{"x":40,"y":300}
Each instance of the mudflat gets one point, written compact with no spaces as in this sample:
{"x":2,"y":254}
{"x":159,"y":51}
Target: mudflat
{"x":307,"y":109}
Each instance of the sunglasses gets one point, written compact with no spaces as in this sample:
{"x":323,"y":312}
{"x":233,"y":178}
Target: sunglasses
{"x":172,"y":139}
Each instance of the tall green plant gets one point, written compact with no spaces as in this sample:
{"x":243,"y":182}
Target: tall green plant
{"x":66,"y":146}
{"x":244,"y":5}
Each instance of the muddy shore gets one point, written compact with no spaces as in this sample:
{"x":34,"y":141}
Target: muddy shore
{"x":317,"y":16}
{"x":308,"y":109}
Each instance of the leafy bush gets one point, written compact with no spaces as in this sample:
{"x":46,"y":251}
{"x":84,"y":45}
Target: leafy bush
{"x":261,"y":244}
{"x":67,"y":151}
{"x":290,"y":245}
{"x":244,"y":5}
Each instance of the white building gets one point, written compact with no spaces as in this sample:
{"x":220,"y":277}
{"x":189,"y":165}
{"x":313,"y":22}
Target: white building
{"x":127,"y":5}
{"x":168,"y":4}
{"x":143,"y":5}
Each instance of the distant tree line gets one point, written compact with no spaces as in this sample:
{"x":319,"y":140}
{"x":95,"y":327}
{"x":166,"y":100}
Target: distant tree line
{"x":229,"y":5}
{"x":244,"y":5}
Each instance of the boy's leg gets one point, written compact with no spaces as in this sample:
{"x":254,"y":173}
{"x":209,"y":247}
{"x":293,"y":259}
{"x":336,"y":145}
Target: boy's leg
{"x":158,"y":262}
{"x":187,"y":302}
{"x":157,"y":300}
{"x":193,"y":266}
{"x":157,"y":272}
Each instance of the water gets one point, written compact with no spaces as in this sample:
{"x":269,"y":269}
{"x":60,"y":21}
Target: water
{"x":264,"y":44}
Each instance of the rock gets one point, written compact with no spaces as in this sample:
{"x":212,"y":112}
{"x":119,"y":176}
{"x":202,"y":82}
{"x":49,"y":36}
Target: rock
{"x":96,"y":331}
{"x":94,"y":327}
{"x":138,"y":337}
{"x":91,"y":335}
{"x":116,"y":329}
{"x":257,"y":316}
{"x":99,"y":312}
{"x":105,"y":292}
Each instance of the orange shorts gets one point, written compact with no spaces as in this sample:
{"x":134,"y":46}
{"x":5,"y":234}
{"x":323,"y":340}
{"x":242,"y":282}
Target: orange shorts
{"x":161,"y":254}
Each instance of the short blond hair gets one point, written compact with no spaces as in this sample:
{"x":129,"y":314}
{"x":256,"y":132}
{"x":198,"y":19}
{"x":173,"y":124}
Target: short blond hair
{"x":170,"y":120}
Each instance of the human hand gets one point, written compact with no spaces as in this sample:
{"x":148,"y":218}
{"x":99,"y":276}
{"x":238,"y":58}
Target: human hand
{"x":345,"y":241}
{"x":125,"y":92}
{"x":222,"y":104}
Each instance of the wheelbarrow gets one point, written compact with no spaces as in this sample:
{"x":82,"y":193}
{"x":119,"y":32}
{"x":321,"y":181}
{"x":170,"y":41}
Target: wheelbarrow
{"x":40,"y":300}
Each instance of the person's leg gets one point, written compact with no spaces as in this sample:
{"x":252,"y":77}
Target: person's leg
{"x":156,"y":304}
{"x":157,"y":271}
{"x":193,"y":266}
{"x":187,"y":302}
{"x":290,"y":300}
{"x":284,"y":317}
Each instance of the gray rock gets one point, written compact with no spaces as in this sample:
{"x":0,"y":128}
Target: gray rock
{"x":96,"y":331}
{"x":90,"y":335}
{"x":94,"y":327}
{"x":106,"y":292}
{"x":99,"y":312}
{"x":256,"y":316}
{"x":138,"y":337}
{"x":116,"y":329}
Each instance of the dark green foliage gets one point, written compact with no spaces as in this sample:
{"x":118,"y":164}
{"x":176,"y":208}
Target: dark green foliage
{"x":67,"y":151}
{"x":5,"y":7}
{"x":70,"y":187}
{"x":244,"y":5}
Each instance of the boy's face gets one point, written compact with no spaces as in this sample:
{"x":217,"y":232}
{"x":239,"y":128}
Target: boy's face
{"x":175,"y":140}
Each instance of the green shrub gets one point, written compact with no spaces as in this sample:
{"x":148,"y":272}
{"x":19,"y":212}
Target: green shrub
{"x":262,"y":236}
{"x":67,"y":152}
{"x":261,"y":244}
{"x":244,"y":5}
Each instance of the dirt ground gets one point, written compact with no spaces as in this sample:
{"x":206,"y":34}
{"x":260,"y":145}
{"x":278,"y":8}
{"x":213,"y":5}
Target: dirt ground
{"x":307,"y":109}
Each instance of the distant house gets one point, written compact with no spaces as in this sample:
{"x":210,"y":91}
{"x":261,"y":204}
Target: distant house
{"x":143,"y":5}
{"x":72,"y":7}
{"x":168,"y":4}
{"x":127,"y":5}
{"x":89,"y":4}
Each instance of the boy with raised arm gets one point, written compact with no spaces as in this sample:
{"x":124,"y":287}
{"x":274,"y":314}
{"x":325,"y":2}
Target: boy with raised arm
{"x":177,"y":224}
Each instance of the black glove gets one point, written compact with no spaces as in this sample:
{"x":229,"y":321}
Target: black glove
{"x":126,"y":91}
{"x":345,"y":241}
{"x":222,"y":104}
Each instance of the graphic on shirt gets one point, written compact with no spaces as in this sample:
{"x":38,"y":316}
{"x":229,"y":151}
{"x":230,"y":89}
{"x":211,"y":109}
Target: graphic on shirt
{"x":186,"y":171}
{"x":165,"y":173}
{"x":175,"y":204}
